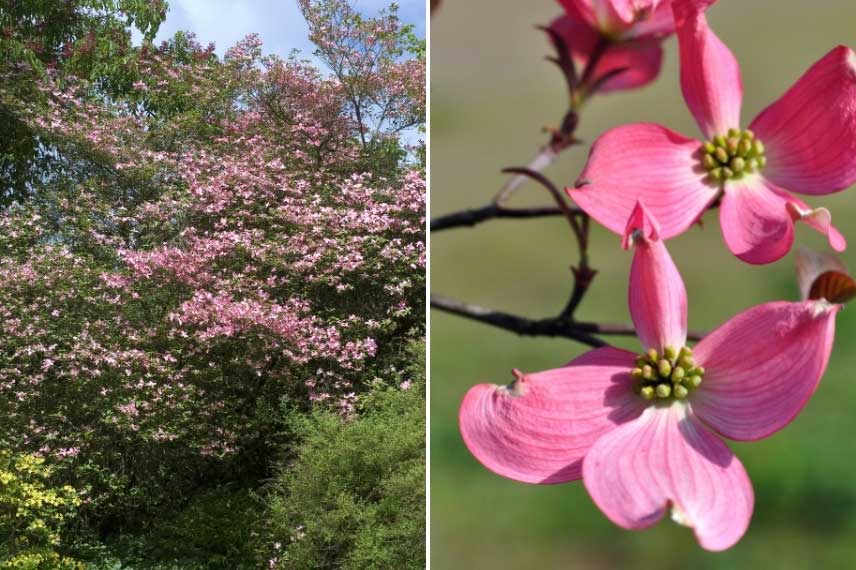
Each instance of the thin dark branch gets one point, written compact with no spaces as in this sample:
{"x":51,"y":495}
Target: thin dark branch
{"x":469,"y":218}
{"x":557,"y":195}
{"x":552,"y":327}
{"x":520,"y":325}
{"x":583,"y":276}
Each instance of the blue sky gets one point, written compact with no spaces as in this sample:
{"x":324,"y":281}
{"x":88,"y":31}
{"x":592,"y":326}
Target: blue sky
{"x":278,"y":22}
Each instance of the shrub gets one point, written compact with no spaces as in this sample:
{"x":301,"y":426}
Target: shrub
{"x":32,"y":515}
{"x":352,"y":495}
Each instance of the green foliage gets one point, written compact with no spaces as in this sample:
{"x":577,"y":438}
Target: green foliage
{"x":33,"y":514}
{"x":88,"y":39}
{"x":214,"y":531}
{"x":352,"y":495}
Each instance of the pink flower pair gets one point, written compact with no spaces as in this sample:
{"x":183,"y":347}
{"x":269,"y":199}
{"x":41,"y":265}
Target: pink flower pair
{"x":641,"y":430}
{"x":625,"y":34}
{"x":805,"y":142}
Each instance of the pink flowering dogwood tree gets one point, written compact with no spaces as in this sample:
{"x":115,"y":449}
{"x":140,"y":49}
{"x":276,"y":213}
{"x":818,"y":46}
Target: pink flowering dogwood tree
{"x":218,"y":244}
{"x":643,"y":431}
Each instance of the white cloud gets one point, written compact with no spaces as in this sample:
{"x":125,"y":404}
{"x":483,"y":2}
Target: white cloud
{"x":225,"y":22}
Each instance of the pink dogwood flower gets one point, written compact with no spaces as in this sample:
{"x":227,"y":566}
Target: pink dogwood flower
{"x":626,"y":33}
{"x":642,"y":431}
{"x":805,"y":142}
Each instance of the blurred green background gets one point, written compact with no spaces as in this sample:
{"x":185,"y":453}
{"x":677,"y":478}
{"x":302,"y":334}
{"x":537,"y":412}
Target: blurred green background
{"x":491,"y":92}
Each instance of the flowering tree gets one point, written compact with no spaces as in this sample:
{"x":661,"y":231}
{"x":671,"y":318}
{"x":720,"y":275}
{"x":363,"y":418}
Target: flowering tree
{"x":208,"y":247}
{"x":379,"y":64}
{"x":84,"y":38}
{"x":642,"y":430}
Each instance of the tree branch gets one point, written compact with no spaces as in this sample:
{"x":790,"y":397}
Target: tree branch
{"x":469,"y":218}
{"x":520,"y":325}
{"x":582,"y":332}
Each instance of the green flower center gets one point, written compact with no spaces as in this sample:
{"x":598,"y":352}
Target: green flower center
{"x":732,"y":156}
{"x":671,"y":375}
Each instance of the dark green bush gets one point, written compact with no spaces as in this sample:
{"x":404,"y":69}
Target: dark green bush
{"x":352,"y":495}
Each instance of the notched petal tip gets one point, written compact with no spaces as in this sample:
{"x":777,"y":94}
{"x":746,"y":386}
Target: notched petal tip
{"x":641,"y":226}
{"x":847,"y":54}
{"x":822,"y":307}
{"x":516,"y":387}
{"x":679,"y":516}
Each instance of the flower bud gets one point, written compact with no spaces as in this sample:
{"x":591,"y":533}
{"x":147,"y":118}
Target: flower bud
{"x":737,"y":164}
{"x":733,"y":145}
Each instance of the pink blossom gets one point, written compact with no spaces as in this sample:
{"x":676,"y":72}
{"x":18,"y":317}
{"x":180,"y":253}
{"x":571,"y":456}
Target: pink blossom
{"x":804,"y":142}
{"x":641,"y":431}
{"x":68,"y":452}
{"x":632,"y":32}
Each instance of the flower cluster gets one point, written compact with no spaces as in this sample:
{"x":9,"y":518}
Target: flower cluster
{"x":643,"y":431}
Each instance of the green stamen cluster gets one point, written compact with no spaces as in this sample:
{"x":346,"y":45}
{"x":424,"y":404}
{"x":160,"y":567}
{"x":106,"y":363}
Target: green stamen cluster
{"x":672,"y":374}
{"x":730,"y":157}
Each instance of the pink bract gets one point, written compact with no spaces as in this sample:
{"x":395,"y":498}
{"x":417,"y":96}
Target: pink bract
{"x":808,"y":142}
{"x":640,"y":458}
{"x":633,"y":30}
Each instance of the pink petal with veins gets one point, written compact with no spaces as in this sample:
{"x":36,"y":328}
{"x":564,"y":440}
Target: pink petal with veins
{"x":539,"y":429}
{"x":710,"y":75}
{"x":664,"y":458}
{"x":762,"y":367}
{"x":656,"y":296}
{"x":755,"y":221}
{"x":810,"y":132}
{"x":644,"y":162}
